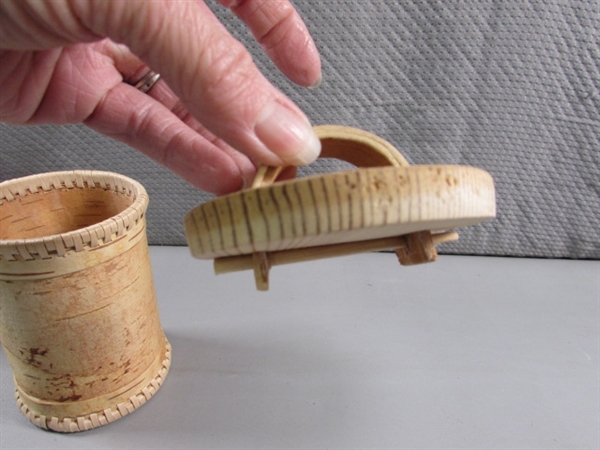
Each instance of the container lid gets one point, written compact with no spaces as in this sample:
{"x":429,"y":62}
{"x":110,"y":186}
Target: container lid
{"x":384,"y":204}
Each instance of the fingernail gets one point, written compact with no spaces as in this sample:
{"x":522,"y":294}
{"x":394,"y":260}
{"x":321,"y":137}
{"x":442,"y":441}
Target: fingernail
{"x":288,"y":135}
{"x":317,"y":83}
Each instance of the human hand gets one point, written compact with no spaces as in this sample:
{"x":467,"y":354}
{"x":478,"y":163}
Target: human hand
{"x":210,"y":118}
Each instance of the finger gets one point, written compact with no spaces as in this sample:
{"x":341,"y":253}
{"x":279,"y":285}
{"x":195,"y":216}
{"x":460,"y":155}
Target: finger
{"x":142,"y":122}
{"x":279,"y":29}
{"x":132,"y":69}
{"x":40,"y":25}
{"x":163,"y":94}
{"x":211,"y":72}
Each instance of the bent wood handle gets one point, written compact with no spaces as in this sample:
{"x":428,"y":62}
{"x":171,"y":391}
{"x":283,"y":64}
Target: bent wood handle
{"x":358,"y":147}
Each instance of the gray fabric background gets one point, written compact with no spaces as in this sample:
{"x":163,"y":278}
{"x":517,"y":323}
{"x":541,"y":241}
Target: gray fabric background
{"x":509,"y":86}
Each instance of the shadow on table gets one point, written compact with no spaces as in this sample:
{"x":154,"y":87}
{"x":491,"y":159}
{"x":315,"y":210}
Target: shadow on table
{"x":236,"y":391}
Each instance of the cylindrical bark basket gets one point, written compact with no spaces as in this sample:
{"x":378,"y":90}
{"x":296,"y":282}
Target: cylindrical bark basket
{"x":78,"y":314}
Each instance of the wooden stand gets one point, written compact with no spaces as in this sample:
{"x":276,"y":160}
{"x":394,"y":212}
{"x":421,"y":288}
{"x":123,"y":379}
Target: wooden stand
{"x":78,"y":314}
{"x":385,"y":204}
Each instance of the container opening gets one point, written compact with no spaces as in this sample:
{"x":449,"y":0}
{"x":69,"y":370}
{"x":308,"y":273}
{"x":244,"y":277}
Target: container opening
{"x":59,"y":211}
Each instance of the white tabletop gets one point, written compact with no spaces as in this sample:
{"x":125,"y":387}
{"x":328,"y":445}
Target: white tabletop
{"x":358,"y":352}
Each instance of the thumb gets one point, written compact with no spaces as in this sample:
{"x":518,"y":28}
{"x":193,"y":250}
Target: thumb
{"x":211,"y":72}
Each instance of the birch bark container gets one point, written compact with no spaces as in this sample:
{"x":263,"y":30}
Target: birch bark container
{"x":78,"y":314}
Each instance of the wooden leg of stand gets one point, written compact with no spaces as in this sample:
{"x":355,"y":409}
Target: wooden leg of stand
{"x":419,"y":249}
{"x":261,"y":266}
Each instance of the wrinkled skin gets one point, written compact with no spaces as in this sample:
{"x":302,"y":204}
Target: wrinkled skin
{"x":211,"y":118}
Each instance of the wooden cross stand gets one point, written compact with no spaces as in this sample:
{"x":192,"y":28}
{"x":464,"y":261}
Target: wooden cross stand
{"x":384,"y":204}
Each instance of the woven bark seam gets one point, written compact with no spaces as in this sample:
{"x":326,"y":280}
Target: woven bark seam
{"x":100,"y":418}
{"x":93,"y":236}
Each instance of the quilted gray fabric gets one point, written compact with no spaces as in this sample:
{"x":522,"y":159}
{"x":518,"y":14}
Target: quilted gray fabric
{"x":509,"y":86}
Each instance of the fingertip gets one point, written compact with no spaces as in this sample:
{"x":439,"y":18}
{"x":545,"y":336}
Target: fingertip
{"x":287,"y":134}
